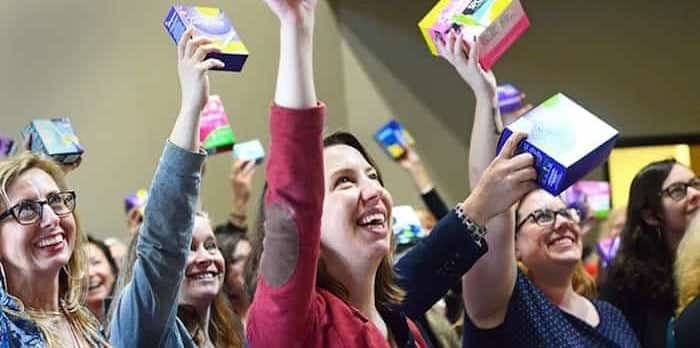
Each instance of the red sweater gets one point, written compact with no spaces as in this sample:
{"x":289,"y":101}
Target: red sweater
{"x":288,"y":309}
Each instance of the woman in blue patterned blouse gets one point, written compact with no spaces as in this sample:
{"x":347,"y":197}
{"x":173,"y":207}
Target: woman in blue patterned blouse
{"x":546,"y":303}
{"x":44,"y":273}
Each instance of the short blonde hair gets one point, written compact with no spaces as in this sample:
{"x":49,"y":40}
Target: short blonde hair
{"x":73,"y":280}
{"x":687,"y":270}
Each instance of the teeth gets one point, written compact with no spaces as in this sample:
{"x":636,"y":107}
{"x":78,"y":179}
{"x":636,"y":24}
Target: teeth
{"x":376,"y":218}
{"x":205,"y":275}
{"x":50,"y":241}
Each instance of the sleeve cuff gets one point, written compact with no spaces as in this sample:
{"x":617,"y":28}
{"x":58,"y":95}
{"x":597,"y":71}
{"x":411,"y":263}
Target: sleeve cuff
{"x":182,"y":162}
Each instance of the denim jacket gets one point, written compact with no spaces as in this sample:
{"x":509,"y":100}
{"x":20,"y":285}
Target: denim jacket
{"x":146,"y":315}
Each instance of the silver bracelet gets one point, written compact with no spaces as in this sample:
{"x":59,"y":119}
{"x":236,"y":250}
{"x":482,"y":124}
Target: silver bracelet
{"x":478,"y":232}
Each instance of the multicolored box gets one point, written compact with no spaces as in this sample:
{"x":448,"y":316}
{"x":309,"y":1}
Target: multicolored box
{"x":509,"y":98}
{"x":136,"y":200}
{"x":497,"y":24}
{"x":55,"y":138}
{"x":393,"y":138}
{"x":214,"y":24}
{"x":215,"y":133}
{"x":590,"y":196}
{"x":566,"y":140}
{"x":252,"y":150}
{"x":7,"y":147}
{"x":406,"y":225}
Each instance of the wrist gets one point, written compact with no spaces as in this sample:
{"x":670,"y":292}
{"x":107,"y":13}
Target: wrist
{"x":474,"y":209}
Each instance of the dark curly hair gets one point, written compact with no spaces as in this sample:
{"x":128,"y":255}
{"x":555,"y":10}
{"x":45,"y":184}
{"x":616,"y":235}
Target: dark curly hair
{"x":642,"y":272}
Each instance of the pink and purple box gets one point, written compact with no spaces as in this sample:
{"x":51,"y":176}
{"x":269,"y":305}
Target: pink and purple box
{"x":497,"y":24}
{"x":215,"y":133}
{"x":566,"y":140}
{"x":7,"y":146}
{"x":509,"y":99}
{"x":55,"y":138}
{"x":212,"y":23}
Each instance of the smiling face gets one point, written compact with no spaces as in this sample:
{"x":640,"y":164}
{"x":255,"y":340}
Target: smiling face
{"x":37,"y":250}
{"x":356,"y":209}
{"x":677,"y":215}
{"x":541,"y":247}
{"x":204,"y":271}
{"x":101,"y":278}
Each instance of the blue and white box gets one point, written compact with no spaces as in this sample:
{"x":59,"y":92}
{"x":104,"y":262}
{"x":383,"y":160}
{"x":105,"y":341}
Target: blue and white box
{"x":55,"y":138}
{"x":250,"y":151}
{"x":394,"y":139}
{"x":566,"y":140}
{"x":406,"y":225}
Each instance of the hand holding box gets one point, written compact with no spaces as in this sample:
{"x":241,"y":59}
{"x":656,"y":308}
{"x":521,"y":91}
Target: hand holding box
{"x":393,"y":138}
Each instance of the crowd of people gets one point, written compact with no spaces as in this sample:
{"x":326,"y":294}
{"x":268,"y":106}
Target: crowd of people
{"x":505,"y":267}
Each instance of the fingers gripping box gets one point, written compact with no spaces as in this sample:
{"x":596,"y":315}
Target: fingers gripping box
{"x":393,"y":138}
{"x":250,"y":151}
{"x":496,"y":24}
{"x":212,"y":23}
{"x":566,"y":140}
{"x":54,"y":137}
{"x":215,"y":133}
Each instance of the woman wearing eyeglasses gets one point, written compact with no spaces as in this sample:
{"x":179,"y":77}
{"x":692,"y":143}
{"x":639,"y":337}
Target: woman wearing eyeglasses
{"x":664,"y":197}
{"x":544,"y":302}
{"x":44,"y":273}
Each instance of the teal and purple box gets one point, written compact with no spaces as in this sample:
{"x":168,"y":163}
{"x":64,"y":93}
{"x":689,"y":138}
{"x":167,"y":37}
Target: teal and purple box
{"x":566,"y":140}
{"x":54,"y":137}
{"x":212,"y":23}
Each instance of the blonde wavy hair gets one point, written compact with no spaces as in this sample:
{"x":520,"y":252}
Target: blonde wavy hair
{"x":73,"y":280}
{"x":687,"y":270}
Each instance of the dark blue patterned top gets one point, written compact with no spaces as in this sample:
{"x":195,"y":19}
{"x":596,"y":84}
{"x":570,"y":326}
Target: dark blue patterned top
{"x":533,"y":321}
{"x":16,"y":332}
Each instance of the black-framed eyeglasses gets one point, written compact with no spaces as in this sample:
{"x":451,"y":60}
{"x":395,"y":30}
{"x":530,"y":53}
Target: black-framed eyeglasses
{"x":546,"y":217}
{"x":678,"y":190}
{"x":27,"y":212}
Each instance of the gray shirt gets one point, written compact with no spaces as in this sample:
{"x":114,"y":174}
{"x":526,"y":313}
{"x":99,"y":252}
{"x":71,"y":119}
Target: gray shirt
{"x":146,"y":315}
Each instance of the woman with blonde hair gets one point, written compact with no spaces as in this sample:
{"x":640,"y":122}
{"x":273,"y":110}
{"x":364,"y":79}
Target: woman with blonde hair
{"x":43,"y":266}
{"x":687,"y":272}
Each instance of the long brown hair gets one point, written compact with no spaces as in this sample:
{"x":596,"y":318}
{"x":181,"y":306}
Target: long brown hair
{"x":641,"y":271}
{"x":224,"y":330}
{"x":73,"y":280}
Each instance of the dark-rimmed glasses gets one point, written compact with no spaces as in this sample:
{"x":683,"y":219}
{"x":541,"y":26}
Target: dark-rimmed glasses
{"x":27,"y":211}
{"x":546,"y":217}
{"x":678,"y":190}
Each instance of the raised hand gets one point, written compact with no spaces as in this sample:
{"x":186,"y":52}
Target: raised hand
{"x":192,"y":67}
{"x":293,"y":11}
{"x":505,"y":181}
{"x":241,"y":179}
{"x":463,"y":54}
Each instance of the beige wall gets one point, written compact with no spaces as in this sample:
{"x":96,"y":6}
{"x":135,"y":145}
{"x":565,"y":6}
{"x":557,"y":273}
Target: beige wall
{"x":110,"y":66}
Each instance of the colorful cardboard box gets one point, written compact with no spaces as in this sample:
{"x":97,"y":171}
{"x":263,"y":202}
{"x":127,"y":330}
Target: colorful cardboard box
{"x":509,"y":98}
{"x":214,"y":24}
{"x":252,"y":150}
{"x":215,"y":133}
{"x":497,"y":24}
{"x":7,"y":146}
{"x":393,"y":138}
{"x":55,"y":138}
{"x":591,"y":196}
{"x":406,"y":225}
{"x":136,"y":200}
{"x":566,"y":140}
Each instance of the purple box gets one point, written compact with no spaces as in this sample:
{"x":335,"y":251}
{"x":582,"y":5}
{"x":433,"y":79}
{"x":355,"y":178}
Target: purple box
{"x":566,"y":140}
{"x":212,"y":23}
{"x":509,"y":99}
{"x":7,"y":147}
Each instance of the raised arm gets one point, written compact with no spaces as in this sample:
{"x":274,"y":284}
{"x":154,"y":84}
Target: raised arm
{"x":146,"y":311}
{"x":496,"y":271}
{"x":412,"y":163}
{"x":281,"y":314}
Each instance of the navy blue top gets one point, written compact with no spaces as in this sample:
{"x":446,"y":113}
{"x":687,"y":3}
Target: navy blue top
{"x":533,"y":321}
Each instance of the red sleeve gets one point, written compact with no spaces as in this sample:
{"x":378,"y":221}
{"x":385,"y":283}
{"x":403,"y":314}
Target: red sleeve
{"x":282,"y":313}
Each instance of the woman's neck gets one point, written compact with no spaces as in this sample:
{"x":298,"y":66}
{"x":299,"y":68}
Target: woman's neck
{"x":97,"y":308}
{"x":555,"y":285}
{"x":203,"y":314}
{"x":33,"y":290}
